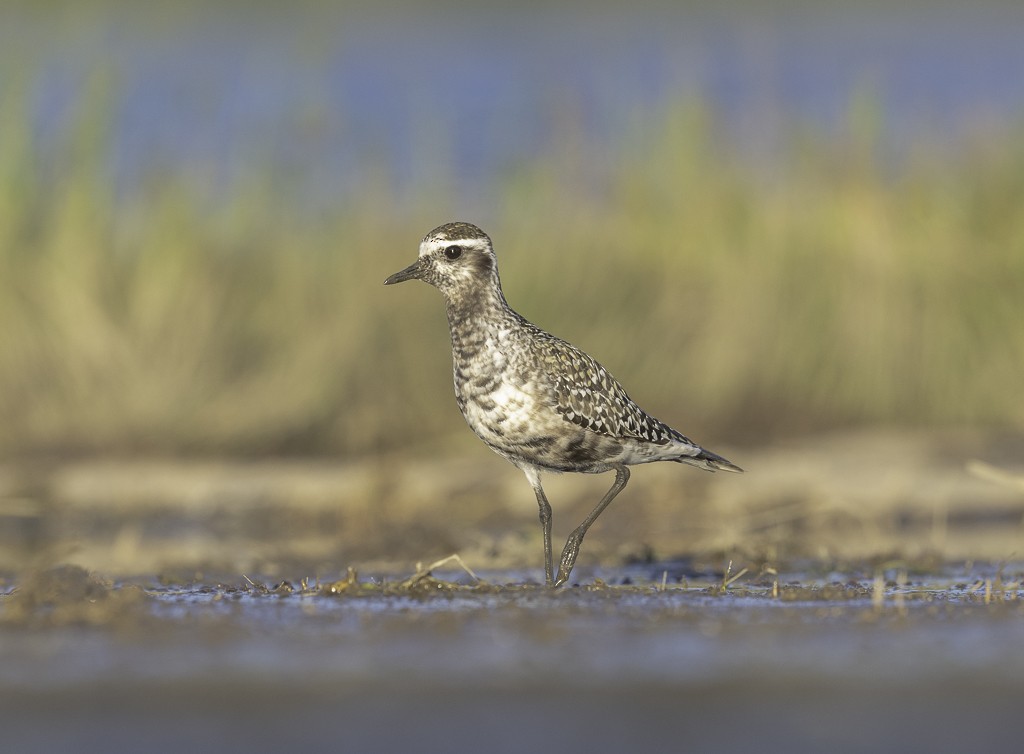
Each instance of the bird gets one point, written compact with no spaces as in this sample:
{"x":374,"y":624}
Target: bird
{"x":533,"y":398}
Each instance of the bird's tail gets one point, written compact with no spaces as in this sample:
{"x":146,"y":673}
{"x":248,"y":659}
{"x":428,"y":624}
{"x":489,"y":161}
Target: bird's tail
{"x":705,"y":459}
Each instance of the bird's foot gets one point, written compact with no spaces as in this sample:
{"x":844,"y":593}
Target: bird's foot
{"x":568,"y":559}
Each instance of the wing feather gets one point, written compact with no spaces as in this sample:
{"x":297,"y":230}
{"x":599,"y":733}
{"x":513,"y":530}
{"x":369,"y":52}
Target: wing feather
{"x":586,"y":394}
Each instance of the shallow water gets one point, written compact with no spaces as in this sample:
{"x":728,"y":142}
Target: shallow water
{"x":840,"y":663}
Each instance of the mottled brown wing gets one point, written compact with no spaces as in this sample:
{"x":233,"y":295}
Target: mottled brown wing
{"x":586,"y":394}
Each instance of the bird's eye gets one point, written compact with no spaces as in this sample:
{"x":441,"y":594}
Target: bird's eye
{"x":453,"y":252}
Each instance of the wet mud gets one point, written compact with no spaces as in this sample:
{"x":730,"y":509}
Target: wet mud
{"x":659,"y":656}
{"x":830,"y":600}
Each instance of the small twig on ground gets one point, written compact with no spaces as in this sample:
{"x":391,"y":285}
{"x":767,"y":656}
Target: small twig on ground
{"x":422,"y":573}
{"x":728,"y":580}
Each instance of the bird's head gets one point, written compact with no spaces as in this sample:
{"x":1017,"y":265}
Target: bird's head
{"x":455,"y":258}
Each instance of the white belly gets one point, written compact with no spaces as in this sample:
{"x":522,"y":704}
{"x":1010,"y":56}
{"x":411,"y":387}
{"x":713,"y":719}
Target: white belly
{"x":502,"y":414}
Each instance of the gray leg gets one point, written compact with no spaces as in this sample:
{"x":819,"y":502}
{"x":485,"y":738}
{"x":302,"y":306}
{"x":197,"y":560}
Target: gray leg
{"x":545,"y":522}
{"x":572,"y":545}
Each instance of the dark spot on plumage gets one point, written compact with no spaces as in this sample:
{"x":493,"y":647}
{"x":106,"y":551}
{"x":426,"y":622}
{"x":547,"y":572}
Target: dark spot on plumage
{"x":467,"y":347}
{"x":483,"y":263}
{"x":579,"y":452}
{"x":485,"y":382}
{"x":541,"y":442}
{"x":575,"y":418}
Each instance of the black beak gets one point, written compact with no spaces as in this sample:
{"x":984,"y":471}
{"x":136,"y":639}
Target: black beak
{"x":413,"y":271}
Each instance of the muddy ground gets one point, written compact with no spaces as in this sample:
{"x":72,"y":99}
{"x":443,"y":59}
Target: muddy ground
{"x":829,"y":600}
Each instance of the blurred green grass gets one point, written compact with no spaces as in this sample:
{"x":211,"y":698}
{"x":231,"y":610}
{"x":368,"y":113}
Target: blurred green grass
{"x":831,"y":287}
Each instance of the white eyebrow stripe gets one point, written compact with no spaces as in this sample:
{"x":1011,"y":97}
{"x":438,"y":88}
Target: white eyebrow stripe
{"x":431,"y":245}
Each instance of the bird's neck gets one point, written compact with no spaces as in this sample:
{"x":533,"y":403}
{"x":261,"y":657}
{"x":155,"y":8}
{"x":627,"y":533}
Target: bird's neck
{"x":473,"y":315}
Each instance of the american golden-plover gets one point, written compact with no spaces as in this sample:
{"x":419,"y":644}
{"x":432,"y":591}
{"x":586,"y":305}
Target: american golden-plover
{"x":533,"y":398}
